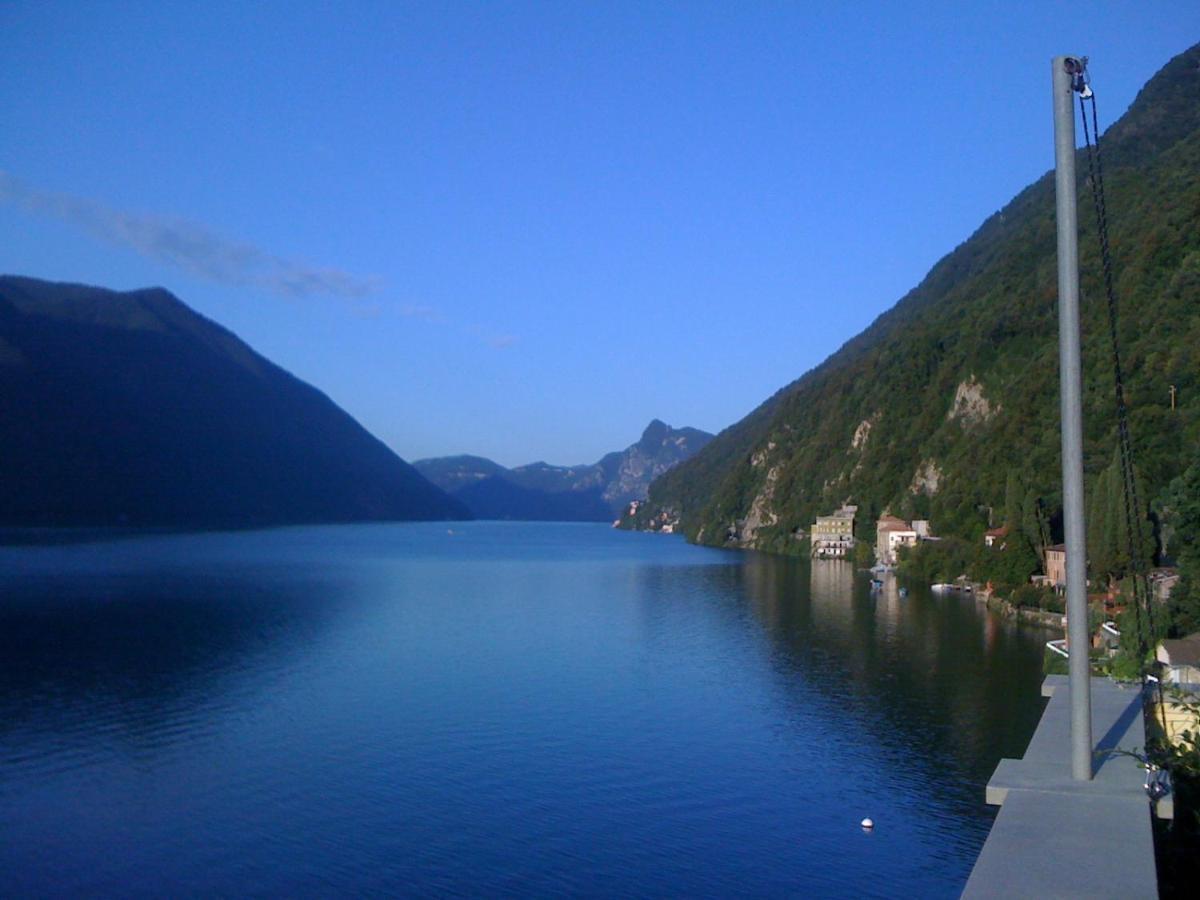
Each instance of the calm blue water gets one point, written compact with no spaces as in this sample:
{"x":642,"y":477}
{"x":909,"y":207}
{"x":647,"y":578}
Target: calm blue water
{"x":522,"y":709}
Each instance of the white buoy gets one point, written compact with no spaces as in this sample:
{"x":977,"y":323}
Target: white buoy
{"x":867,"y":824}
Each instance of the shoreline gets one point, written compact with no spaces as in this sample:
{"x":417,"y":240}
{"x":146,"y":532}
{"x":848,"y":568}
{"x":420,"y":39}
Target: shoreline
{"x":1043,"y":618}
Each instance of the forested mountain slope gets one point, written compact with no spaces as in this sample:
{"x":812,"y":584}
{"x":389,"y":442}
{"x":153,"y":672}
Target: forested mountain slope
{"x":929,"y":410}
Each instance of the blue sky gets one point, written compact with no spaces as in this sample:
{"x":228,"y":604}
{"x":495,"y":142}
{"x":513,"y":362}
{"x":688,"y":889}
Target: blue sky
{"x":523,"y":230}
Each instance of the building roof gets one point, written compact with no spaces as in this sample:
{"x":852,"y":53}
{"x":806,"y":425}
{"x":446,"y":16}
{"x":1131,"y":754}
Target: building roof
{"x":1057,"y":548}
{"x":892,"y":523}
{"x":839,"y":516}
{"x":997,"y":532}
{"x":1183,"y":651}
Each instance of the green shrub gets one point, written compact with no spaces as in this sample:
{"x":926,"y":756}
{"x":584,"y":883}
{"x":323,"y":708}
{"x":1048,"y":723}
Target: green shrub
{"x":1053,"y":664}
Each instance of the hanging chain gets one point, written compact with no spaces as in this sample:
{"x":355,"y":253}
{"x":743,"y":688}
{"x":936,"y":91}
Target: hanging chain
{"x":1130,"y":493}
{"x":1142,"y":602}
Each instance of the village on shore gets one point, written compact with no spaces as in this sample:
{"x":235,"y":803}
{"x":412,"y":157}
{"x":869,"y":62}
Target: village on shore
{"x":898,"y":542}
{"x":832,"y":537}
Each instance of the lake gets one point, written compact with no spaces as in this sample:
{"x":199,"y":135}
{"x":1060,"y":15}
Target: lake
{"x":490,"y":709}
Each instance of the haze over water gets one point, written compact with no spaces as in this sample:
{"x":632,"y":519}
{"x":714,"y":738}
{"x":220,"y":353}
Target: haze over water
{"x":487,"y":709}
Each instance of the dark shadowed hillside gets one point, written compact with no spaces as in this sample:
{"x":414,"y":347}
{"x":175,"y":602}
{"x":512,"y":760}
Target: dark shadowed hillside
{"x":131,"y":409}
{"x":929,"y":411}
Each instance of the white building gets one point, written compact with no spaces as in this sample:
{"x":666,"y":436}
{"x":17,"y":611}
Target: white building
{"x":892,"y":533}
{"x":1182,"y":659}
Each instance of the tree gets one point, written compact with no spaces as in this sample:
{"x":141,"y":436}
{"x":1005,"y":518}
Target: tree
{"x":1101,"y":537}
{"x":1012,"y":501}
{"x":865,"y":520}
{"x":1179,"y":512}
{"x":1113,"y":550}
{"x":1035,"y":523}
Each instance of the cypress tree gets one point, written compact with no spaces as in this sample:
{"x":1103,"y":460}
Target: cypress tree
{"x":1012,"y":501}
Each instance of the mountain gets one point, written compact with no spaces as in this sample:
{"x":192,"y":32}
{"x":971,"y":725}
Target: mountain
{"x":454,"y":473}
{"x":131,"y":409}
{"x":499,"y":498}
{"x":540,"y":491}
{"x":951,"y":396}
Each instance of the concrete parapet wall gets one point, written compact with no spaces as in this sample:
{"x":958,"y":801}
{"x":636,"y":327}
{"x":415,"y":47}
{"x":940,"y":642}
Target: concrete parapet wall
{"x":1058,"y":837}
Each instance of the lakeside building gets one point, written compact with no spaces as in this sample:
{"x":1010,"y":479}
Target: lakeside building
{"x":1056,"y":566}
{"x":1181,"y":658}
{"x":1162,"y":582}
{"x":833,"y":535}
{"x":994,"y":536}
{"x":891,"y":533}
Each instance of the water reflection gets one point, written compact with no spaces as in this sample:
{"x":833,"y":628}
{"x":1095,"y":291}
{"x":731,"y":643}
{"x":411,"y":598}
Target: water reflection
{"x":505,"y":710}
{"x":938,"y":680}
{"x":140,"y":658}
{"x":904,"y":703}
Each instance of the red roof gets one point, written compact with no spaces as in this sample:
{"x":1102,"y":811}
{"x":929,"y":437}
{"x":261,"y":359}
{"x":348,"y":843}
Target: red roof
{"x":997,"y":532}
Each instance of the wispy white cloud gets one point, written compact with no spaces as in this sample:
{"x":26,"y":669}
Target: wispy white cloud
{"x":186,"y":245}
{"x":200,"y":251}
{"x":424,"y":313}
{"x":497,"y":340}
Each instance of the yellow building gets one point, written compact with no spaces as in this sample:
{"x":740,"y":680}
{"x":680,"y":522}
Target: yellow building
{"x":1179,"y":716}
{"x":833,"y":536}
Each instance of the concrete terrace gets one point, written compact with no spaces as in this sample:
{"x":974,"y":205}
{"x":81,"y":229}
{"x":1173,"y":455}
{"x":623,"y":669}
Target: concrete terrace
{"x":1058,"y":837}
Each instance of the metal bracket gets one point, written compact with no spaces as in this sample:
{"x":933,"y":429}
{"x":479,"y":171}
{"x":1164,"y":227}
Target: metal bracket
{"x":1076,"y":67}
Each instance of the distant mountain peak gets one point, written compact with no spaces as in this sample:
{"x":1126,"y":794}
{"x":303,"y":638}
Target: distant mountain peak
{"x":538,"y":490}
{"x":656,"y":432}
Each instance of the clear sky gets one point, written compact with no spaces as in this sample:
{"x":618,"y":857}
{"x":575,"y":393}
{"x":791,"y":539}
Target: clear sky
{"x":523,"y":230}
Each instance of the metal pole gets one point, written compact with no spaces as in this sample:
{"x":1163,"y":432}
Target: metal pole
{"x":1071,"y":399}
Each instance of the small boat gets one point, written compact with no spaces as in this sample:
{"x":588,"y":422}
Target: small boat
{"x":903,"y":592}
{"x":942,"y":586}
{"x":876,"y":584}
